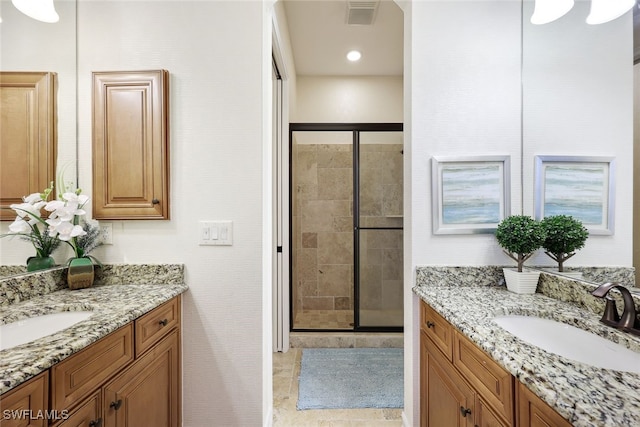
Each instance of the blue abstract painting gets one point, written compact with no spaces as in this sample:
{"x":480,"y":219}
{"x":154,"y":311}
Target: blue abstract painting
{"x":472,"y":193}
{"x":579,"y":190}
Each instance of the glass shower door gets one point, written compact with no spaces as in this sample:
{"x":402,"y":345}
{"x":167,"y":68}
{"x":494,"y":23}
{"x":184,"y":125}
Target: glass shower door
{"x":322,"y":294}
{"x":379,"y":293}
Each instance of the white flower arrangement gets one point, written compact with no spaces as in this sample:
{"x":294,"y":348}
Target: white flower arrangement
{"x":65,"y":222}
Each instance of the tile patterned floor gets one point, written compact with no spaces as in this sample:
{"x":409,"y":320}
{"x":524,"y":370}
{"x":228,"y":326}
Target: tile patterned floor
{"x":286,"y":370}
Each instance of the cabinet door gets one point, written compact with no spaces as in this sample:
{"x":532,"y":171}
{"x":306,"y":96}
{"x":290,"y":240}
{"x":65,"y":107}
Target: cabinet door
{"x":485,"y":417}
{"x":447,"y":399}
{"x":26,"y":405}
{"x":27,"y":136}
{"x":492,"y":381}
{"x":148,"y":393}
{"x":533,"y":412}
{"x":88,"y":414}
{"x":130,"y":145}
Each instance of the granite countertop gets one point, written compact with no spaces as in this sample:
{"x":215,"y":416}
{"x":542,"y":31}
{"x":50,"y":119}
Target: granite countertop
{"x":584,"y":395}
{"x":113,"y":306}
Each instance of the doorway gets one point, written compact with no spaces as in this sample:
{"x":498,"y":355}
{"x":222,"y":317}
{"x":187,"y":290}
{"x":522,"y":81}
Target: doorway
{"x":346,"y":219}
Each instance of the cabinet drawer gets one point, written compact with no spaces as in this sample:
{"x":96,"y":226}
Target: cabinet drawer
{"x":27,"y":398}
{"x":154,"y":325}
{"x":438,"y":329}
{"x":491,"y":380}
{"x":75,"y":377}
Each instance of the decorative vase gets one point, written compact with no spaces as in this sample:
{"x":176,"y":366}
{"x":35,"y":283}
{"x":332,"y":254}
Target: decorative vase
{"x":524,"y":282}
{"x":36,"y":263}
{"x":80,"y":273}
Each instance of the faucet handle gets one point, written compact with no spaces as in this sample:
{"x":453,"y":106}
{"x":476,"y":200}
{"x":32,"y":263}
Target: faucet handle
{"x":610,"y":315}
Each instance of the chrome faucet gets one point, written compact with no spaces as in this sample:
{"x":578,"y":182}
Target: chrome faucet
{"x":628,"y":322}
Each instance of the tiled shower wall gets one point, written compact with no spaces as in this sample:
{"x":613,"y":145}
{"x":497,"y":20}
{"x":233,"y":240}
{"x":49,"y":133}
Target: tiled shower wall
{"x":322,"y":219}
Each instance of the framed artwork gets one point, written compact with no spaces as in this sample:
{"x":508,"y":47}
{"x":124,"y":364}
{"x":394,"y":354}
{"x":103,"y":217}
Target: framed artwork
{"x":470,"y":194}
{"x":580,"y":186}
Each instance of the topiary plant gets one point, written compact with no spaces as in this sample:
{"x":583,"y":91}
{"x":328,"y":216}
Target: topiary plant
{"x":520,"y":236}
{"x":564,"y":236}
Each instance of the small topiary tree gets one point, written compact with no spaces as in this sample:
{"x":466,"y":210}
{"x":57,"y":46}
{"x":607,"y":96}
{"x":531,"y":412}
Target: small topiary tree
{"x":520,"y":236}
{"x":564,"y":236}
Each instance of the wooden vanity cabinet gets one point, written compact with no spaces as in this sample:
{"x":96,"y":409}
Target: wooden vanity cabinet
{"x":451,"y":396}
{"x":120,"y":380}
{"x":462,"y":386}
{"x":21,"y":405}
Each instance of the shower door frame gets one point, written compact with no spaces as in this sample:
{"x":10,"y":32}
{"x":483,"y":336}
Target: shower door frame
{"x":356,"y":129}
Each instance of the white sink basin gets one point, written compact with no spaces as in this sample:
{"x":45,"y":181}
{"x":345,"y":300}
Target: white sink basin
{"x":571,"y":342}
{"x":32,"y":328}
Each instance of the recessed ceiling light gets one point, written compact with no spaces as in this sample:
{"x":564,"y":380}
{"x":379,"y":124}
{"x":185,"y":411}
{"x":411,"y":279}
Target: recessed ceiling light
{"x":354,"y":55}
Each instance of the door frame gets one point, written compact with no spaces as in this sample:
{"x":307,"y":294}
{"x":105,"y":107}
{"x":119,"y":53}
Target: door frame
{"x":355,"y":128}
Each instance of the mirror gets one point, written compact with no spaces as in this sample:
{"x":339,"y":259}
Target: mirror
{"x":30,"y":45}
{"x":577,"y":82}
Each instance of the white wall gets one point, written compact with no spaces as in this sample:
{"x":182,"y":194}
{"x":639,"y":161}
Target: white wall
{"x":346,"y":99}
{"x":214,"y":53}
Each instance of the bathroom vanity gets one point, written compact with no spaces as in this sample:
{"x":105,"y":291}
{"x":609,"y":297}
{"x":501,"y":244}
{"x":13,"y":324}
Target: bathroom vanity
{"x":475,"y":373}
{"x":120,"y":367}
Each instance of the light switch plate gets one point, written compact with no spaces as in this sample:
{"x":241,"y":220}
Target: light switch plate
{"x":215,"y":233}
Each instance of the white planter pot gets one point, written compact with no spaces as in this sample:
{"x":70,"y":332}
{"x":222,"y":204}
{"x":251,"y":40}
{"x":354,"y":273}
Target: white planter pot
{"x":525,"y":282}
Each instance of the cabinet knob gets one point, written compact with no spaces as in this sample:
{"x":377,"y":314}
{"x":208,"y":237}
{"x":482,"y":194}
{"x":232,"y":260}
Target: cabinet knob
{"x":116,"y":405}
{"x":163,"y":322}
{"x":96,"y":423}
{"x":465,"y":411}
{"x":155,"y":201}
{"x":430,"y":324}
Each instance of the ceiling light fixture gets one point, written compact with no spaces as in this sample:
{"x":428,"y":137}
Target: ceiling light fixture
{"x":41,"y":10}
{"x":607,"y":10}
{"x":602,"y":11}
{"x":354,"y":55}
{"x":546,"y":11}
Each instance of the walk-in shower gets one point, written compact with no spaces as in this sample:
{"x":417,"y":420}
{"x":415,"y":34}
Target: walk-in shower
{"x":346,"y":227}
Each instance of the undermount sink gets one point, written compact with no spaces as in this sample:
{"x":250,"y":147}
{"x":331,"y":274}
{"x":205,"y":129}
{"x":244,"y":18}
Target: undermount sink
{"x":571,"y":342}
{"x":33,"y":328}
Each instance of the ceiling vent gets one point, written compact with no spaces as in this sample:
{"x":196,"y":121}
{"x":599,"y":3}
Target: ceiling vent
{"x":361,"y":12}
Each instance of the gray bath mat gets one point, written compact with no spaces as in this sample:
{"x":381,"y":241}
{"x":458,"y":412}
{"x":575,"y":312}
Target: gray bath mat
{"x":333,"y":378}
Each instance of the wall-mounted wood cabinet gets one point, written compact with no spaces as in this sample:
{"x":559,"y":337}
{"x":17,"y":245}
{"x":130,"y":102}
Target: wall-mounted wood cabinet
{"x":27,"y":136}
{"x":131,"y":145}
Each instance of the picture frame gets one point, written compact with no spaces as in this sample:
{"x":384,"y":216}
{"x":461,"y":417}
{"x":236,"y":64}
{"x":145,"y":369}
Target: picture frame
{"x":470,"y":194}
{"x":580,"y":186}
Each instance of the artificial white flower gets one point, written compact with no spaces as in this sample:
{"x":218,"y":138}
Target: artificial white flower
{"x":30,"y":225}
{"x":26,"y":209}
{"x":19,"y":226}
{"x":66,"y":231}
